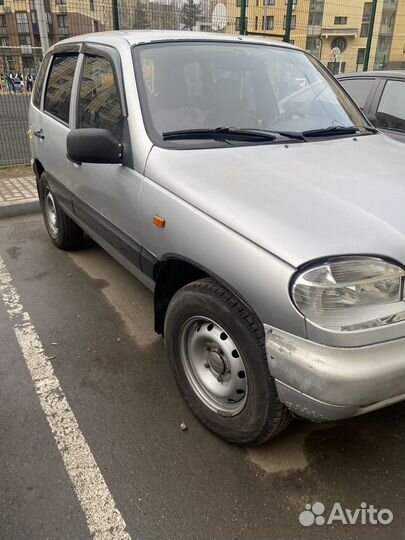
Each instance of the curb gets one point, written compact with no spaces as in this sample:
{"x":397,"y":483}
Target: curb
{"x":19,"y":209}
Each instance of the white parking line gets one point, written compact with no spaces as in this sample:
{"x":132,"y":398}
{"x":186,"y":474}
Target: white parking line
{"x":103,"y":518}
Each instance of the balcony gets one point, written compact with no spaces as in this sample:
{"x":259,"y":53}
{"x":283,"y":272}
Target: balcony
{"x":26,"y":49}
{"x":339,"y":32}
{"x":390,"y":7}
{"x":386,"y":30}
{"x":314,"y":30}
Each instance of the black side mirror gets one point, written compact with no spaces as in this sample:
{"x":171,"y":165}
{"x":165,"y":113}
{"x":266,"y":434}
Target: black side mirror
{"x":93,"y":145}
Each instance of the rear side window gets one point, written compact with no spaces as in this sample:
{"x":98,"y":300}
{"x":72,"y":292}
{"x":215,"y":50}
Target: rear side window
{"x":391,"y":110}
{"x":359,"y":89}
{"x":37,"y":92}
{"x":59,"y":86}
{"x":99,"y":100}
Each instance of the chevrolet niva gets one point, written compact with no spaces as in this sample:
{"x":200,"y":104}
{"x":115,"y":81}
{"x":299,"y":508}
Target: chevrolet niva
{"x":240,"y":182}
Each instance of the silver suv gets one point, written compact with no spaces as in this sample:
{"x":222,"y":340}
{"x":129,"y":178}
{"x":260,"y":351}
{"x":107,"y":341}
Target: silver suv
{"x":242,"y":184}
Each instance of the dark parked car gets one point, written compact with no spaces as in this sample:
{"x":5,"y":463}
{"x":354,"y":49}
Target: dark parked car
{"x":381,"y":96}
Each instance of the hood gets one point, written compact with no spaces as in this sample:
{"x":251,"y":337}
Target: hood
{"x":299,"y":201}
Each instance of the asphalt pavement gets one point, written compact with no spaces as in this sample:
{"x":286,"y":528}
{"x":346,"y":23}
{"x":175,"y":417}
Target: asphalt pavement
{"x":95,"y":323}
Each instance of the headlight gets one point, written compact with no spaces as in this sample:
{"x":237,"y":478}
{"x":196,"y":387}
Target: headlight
{"x":351,"y":293}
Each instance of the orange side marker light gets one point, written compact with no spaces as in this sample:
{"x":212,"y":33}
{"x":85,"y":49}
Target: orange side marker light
{"x":158,"y":221}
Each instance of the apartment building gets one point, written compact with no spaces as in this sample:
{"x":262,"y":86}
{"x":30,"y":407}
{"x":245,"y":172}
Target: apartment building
{"x":20,"y":44}
{"x":342,"y":28}
{"x":333,"y":30}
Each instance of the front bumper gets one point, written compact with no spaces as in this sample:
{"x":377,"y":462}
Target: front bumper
{"x":328,"y":383}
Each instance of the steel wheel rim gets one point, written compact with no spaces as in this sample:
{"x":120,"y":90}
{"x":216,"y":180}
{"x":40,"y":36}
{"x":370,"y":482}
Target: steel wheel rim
{"x":213,"y":365}
{"x":51,"y":215}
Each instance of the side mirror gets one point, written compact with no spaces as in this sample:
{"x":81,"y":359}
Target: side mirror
{"x":93,"y":145}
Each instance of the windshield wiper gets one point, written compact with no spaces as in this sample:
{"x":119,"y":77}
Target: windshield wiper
{"x":289,"y":134}
{"x":336,"y":130}
{"x":219,"y":133}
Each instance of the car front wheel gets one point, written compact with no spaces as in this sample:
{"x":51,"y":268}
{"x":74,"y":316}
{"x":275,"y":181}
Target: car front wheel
{"x":216,"y":349}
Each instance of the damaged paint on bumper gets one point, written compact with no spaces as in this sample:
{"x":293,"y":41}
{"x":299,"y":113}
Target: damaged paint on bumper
{"x":329,"y":383}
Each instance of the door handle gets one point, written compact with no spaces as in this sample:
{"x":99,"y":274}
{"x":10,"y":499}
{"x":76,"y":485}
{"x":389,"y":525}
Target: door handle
{"x":39,"y":134}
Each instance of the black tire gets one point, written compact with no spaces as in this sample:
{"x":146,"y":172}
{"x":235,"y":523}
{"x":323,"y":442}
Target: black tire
{"x":263,"y":415}
{"x":64,"y":233}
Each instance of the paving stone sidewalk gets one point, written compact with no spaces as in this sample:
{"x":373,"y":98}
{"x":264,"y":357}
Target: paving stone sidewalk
{"x":18,"y":196}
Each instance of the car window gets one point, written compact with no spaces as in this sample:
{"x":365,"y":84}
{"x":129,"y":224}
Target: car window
{"x":59,"y":86}
{"x":99,"y":100}
{"x":210,"y":85}
{"x":37,"y":92}
{"x":391,"y":110}
{"x":358,"y":89}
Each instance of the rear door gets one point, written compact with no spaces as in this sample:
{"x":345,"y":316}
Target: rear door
{"x":51,"y":127}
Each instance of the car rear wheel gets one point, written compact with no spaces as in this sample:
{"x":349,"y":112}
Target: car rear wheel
{"x":63,"y":232}
{"x":216,"y":349}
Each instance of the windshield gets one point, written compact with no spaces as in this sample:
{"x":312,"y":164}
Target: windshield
{"x":207,"y":85}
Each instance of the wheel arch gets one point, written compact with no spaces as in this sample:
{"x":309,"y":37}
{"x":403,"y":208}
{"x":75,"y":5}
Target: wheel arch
{"x":38,"y":169}
{"x":174,"y":272}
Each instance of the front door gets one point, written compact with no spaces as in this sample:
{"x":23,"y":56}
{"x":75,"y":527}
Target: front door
{"x":106,"y":195}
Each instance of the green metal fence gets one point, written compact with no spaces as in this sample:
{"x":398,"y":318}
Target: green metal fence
{"x":346,"y":37}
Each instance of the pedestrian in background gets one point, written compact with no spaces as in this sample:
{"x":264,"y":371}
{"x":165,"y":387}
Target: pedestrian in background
{"x":29,"y":82}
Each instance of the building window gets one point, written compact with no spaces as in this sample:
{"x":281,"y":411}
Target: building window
{"x":316,"y":5}
{"x":25,"y":42}
{"x":95,"y":26}
{"x":313,"y":45}
{"x":60,"y":2}
{"x":315,"y":19}
{"x":238,"y":2}
{"x":293,"y":22}
{"x":360,"y":56}
{"x":268,"y":2}
{"x":22,"y":22}
{"x":63,"y":21}
{"x":91,"y":5}
{"x":268,"y":22}
{"x":238,"y":21}
{"x":340,"y":20}
{"x":256,"y":23}
{"x":337,"y":67}
{"x":340,"y":43}
{"x":294,"y":2}
{"x":3,"y":21}
{"x":366,"y":19}
{"x":28,"y":63}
